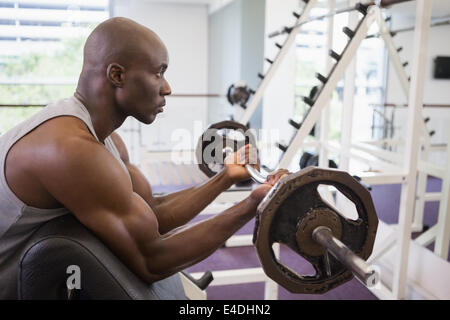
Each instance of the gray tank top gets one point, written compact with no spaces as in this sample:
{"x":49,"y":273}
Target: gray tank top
{"x":17,"y":220}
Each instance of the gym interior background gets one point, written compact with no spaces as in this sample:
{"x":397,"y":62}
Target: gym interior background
{"x":214,"y":44}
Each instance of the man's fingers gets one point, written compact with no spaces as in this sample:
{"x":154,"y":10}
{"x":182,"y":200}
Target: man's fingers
{"x":247,"y":155}
{"x":277,"y":175}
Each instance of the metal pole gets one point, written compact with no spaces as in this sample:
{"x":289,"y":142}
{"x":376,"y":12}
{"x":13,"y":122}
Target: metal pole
{"x":443,"y":225}
{"x":325,"y":116}
{"x":255,"y":174}
{"x":348,"y":101}
{"x":423,"y":15}
{"x":340,"y":251}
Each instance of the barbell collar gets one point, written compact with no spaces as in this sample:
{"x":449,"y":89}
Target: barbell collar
{"x":341,"y":252}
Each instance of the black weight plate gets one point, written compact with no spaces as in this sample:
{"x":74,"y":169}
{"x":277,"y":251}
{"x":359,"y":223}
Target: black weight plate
{"x":216,"y":137}
{"x":293,"y":199}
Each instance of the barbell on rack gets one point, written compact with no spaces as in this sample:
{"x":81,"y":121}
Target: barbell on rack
{"x":294,"y":214}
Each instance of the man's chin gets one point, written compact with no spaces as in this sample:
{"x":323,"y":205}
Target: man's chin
{"x":147,"y":119}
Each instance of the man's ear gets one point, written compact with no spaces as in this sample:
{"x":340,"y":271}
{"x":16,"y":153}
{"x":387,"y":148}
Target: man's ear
{"x":116,"y":74}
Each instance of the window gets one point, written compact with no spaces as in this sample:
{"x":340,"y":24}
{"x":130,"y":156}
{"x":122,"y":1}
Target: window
{"x":41,"y":45}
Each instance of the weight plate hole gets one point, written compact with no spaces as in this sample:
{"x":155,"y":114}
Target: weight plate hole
{"x":294,"y":261}
{"x":338,"y":201}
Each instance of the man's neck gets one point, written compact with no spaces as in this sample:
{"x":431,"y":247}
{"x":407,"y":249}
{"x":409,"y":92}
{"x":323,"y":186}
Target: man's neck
{"x":104,"y":117}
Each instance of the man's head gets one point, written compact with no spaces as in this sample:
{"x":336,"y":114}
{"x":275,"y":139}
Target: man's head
{"x":124,"y":65}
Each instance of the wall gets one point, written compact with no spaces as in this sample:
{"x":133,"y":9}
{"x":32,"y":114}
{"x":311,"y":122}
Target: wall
{"x":236,"y":52}
{"x":184,"y":30}
{"x":224,"y":52}
{"x":252,"y":49}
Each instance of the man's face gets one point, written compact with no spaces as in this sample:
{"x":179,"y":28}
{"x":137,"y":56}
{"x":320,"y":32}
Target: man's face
{"x":145,"y":87}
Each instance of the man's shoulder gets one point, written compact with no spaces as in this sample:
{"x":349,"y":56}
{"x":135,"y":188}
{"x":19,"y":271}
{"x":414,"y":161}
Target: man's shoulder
{"x":61,"y":131}
{"x":62,"y":138}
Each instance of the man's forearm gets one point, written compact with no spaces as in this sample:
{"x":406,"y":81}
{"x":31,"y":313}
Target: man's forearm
{"x":191,"y":244}
{"x":176,"y":209}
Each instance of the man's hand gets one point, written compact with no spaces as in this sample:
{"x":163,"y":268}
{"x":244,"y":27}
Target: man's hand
{"x":236,"y":161}
{"x":273,"y":177}
{"x":260,"y":192}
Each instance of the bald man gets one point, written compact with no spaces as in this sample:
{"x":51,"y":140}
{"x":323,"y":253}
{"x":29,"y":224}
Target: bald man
{"x":67,"y":159}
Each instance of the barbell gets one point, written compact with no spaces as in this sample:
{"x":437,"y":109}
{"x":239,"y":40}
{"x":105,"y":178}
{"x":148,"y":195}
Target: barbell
{"x":294,"y":214}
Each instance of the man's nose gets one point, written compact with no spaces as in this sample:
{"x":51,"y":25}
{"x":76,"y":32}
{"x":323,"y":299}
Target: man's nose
{"x":166,"y":90}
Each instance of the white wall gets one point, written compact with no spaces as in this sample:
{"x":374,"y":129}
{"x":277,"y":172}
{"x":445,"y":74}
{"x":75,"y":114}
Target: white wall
{"x":224,"y":57}
{"x":236,"y":52}
{"x":436,"y":91}
{"x":184,"y":30}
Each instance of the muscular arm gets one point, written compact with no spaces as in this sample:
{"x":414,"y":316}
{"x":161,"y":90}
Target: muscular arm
{"x":178,"y":208}
{"x":82,"y":175}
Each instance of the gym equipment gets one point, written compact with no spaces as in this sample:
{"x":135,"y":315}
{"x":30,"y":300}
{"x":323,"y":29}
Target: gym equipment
{"x":308,"y":159}
{"x":220,"y":137}
{"x":293,"y":213}
{"x":42,"y":271}
{"x":309,"y":100}
{"x":239,"y":93}
{"x":436,"y":23}
{"x":361,"y":7}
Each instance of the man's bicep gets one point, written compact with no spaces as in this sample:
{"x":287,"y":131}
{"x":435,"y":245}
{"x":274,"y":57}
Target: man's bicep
{"x":128,"y":234}
{"x":139,"y":182}
{"x":90,"y":182}
{"x":83,"y":175}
